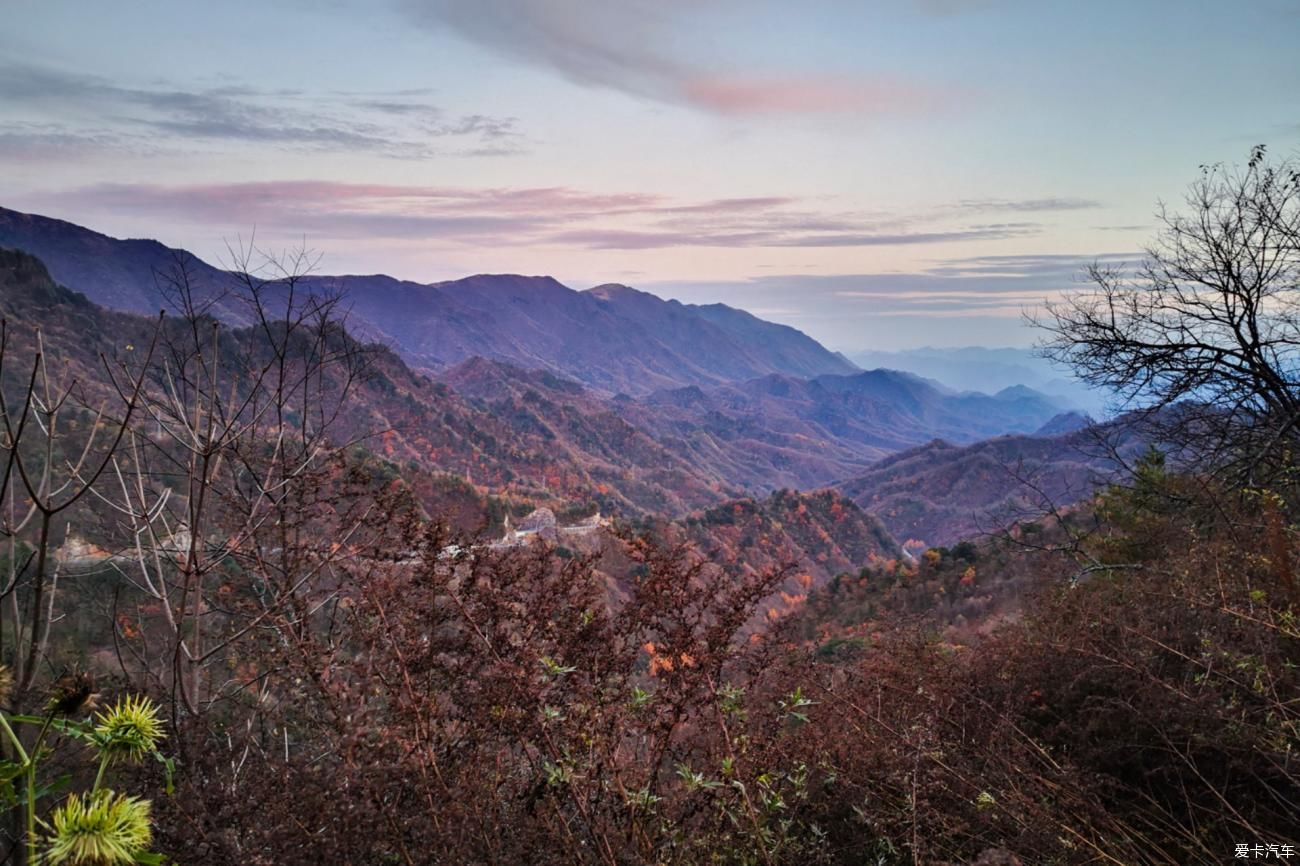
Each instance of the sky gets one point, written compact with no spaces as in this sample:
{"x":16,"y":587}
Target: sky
{"x":881,"y":174}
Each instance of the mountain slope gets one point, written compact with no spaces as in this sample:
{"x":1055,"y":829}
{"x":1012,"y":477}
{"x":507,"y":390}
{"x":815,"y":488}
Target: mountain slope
{"x":539,"y":438}
{"x":525,"y":438}
{"x":941,"y":493}
{"x":126,"y":275}
{"x":732,"y":339}
{"x":820,"y":534}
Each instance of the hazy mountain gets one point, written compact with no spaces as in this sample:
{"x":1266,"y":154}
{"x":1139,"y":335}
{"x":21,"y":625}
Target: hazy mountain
{"x":486,"y":438}
{"x":612,"y":338}
{"x":797,"y":352}
{"x":989,"y":369}
{"x":941,"y":492}
{"x":779,"y":431}
{"x":1066,"y":422}
{"x":118,"y":274}
{"x":518,"y":439}
{"x":537,"y":435}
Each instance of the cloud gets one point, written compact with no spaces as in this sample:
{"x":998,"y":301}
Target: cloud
{"x":975,"y":233}
{"x":55,"y":143}
{"x":592,"y":43}
{"x":625,"y":46}
{"x":549,"y":216}
{"x":115,"y":116}
{"x":1057,"y":267}
{"x":781,"y":235}
{"x":1032,"y":205}
{"x":795,"y":95}
{"x":752,"y":203}
{"x":378,"y":211}
{"x":629,"y":239}
{"x":783,"y":231}
{"x":994,"y":287}
{"x":974,"y":297}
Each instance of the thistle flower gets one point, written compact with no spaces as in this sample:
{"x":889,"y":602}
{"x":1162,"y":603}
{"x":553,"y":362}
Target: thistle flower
{"x":101,"y":829}
{"x":6,"y":684}
{"x":130,"y":730}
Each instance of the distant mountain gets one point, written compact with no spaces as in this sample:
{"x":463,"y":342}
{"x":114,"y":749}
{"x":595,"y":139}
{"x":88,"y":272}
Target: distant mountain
{"x":483,"y":438}
{"x":797,"y":353}
{"x":940,"y":493}
{"x":544,"y":438}
{"x":779,"y":431}
{"x":579,"y":447}
{"x":1066,"y":422}
{"x":612,"y":338}
{"x":118,"y":274}
{"x":765,"y":434}
{"x":988,"y":369}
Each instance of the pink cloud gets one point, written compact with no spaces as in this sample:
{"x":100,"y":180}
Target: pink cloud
{"x":272,"y":199}
{"x":545,"y":216}
{"x":739,"y":95}
{"x":633,"y":46}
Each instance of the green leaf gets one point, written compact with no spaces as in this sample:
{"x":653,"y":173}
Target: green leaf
{"x":56,"y":785}
{"x":169,"y":769}
{"x":68,"y":727}
{"x":9,"y":771}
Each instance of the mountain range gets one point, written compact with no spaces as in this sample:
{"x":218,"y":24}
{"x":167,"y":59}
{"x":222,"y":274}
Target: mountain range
{"x":521,"y":387}
{"x":981,"y":368}
{"x":612,"y":338}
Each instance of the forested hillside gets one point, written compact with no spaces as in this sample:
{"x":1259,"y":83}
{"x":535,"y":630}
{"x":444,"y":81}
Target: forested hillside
{"x":941,"y":493}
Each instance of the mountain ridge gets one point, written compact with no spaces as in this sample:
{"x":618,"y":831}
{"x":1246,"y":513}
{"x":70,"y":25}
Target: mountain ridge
{"x":941,"y":492}
{"x":529,"y":321}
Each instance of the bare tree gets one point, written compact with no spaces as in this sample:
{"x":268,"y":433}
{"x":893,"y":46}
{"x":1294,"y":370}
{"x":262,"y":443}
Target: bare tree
{"x":58,"y":439}
{"x":226,"y":484}
{"x":205,"y":464}
{"x":55,"y":448}
{"x":1202,"y":344}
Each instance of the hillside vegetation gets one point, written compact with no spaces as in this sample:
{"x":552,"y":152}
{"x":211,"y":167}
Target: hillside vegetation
{"x":941,"y":493}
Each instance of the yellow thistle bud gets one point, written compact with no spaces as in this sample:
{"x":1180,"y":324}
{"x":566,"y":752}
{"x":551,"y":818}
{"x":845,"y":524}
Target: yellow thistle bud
{"x":130,"y":730}
{"x":101,"y":829}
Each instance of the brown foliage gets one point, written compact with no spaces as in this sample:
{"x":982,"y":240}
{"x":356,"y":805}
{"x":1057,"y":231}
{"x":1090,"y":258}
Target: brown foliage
{"x":481,"y":707}
{"x":500,"y":709}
